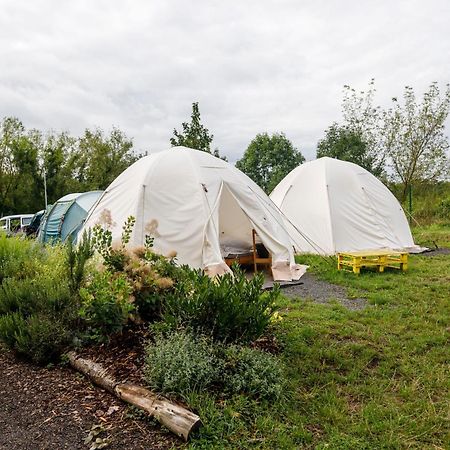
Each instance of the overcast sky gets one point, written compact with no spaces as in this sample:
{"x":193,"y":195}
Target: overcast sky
{"x":253,"y":66}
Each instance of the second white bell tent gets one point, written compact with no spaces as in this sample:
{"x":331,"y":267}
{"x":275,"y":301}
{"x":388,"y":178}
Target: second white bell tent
{"x":336,"y":206}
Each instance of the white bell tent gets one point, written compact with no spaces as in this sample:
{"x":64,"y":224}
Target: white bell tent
{"x":334,"y":206}
{"x":203,"y":208}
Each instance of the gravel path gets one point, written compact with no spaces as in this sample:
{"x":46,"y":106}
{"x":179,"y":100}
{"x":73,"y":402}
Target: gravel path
{"x":310,"y":287}
{"x":436,"y":252}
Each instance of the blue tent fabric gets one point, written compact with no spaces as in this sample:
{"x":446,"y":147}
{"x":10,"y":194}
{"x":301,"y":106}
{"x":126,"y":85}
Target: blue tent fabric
{"x":66,"y":217}
{"x":72,"y":222}
{"x":52,"y":227}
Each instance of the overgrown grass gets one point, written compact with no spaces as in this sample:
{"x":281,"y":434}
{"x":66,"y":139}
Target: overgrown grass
{"x":371,"y":379}
{"x":432,"y":235}
{"x":430,"y":202}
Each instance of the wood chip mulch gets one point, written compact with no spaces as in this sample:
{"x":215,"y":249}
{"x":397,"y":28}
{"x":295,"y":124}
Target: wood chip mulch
{"x":56,"y":408}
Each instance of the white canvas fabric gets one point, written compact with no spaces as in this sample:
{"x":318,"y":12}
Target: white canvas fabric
{"x":333,"y":206}
{"x":201,"y":206}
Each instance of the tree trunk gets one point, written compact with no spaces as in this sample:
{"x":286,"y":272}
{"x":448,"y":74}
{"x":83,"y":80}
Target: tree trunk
{"x":176,"y":418}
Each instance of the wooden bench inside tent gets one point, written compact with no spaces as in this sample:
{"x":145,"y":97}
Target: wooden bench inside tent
{"x":253,"y":258}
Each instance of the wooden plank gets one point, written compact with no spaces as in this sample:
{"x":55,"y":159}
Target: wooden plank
{"x":379,"y":258}
{"x":372,"y":252}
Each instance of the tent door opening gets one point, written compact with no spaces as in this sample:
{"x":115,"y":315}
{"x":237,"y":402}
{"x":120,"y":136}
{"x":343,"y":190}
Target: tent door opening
{"x":237,"y":238}
{"x":235,"y":228}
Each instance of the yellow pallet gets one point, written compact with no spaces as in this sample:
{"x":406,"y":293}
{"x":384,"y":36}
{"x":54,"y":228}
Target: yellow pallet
{"x":380,"y":258}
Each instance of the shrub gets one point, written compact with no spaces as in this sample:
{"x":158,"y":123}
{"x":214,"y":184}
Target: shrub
{"x":37,"y":309}
{"x":9,"y":325}
{"x":444,"y":209}
{"x":106,"y":304}
{"x":43,"y":338}
{"x":230,"y":308}
{"x":37,"y":316}
{"x":17,"y":295}
{"x":76,"y":259}
{"x":149,"y":287}
{"x":39,"y":337}
{"x":42,"y":293}
{"x":181,"y":363}
{"x":149,"y":274}
{"x":253,"y":372}
{"x":18,"y":257}
{"x":114,"y":258}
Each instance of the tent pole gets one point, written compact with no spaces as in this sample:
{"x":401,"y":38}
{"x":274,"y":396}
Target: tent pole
{"x":410,"y":203}
{"x":45,"y":188}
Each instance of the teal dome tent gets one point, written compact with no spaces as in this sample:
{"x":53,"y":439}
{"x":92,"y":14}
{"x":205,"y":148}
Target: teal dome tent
{"x":65,"y":218}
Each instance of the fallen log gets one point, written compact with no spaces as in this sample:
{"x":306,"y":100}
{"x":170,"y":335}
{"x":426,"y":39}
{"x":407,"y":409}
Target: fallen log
{"x":176,"y":418}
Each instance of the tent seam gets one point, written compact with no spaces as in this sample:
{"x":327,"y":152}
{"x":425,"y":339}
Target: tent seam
{"x":333,"y":243}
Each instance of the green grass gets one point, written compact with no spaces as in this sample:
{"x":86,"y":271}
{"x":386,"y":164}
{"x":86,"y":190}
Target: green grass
{"x":430,"y":202}
{"x":372,"y":379}
{"x":432,"y":234}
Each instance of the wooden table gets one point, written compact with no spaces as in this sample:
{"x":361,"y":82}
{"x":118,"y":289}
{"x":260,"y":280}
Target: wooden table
{"x":379,"y":258}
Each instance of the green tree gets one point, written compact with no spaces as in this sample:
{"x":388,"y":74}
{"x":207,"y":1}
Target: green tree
{"x":347,"y":144}
{"x":54,"y":152}
{"x":363,"y":120}
{"x":19,"y":169}
{"x":98,"y":159}
{"x":414,"y":139}
{"x":11,"y":130}
{"x":70,"y":164}
{"x":194,"y":134}
{"x":268,"y":159}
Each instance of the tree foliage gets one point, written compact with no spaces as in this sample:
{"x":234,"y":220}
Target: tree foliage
{"x":414,"y":139}
{"x":347,"y":144}
{"x":358,"y":138}
{"x":194,"y":134}
{"x":98,"y":158}
{"x":268,"y":159}
{"x":71,"y":164}
{"x":405,"y":141}
{"x":18,"y":167}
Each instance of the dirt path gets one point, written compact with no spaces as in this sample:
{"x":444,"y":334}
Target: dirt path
{"x":43,"y":408}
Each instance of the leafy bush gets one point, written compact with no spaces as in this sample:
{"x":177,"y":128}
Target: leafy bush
{"x":37,"y":309}
{"x":149,"y":274}
{"x":181,"y":363}
{"x":17,"y":256}
{"x":106,"y":304}
{"x":444,"y":209}
{"x":114,"y":258}
{"x":253,"y":372}
{"x":42,"y":293}
{"x":43,"y":338}
{"x":230,"y":308}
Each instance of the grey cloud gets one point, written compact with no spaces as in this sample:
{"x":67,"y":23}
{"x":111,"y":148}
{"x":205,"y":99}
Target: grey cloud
{"x":254,"y":66}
